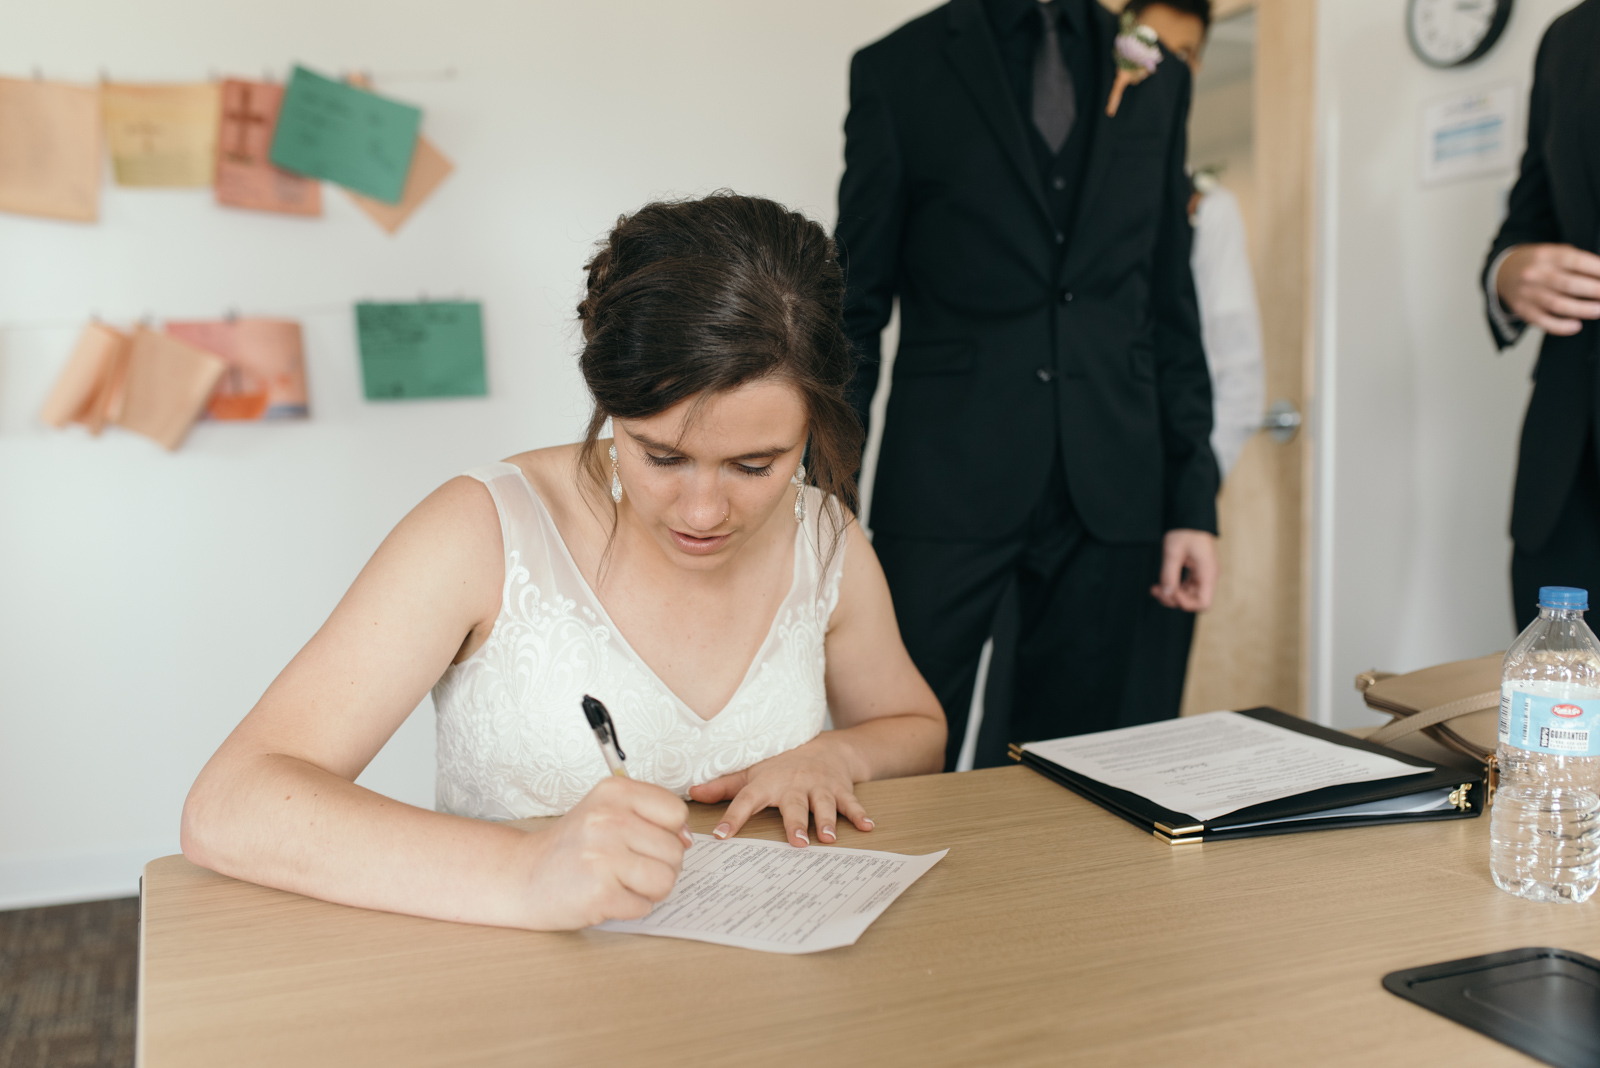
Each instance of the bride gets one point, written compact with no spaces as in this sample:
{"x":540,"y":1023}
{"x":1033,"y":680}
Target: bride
{"x":700,"y":573}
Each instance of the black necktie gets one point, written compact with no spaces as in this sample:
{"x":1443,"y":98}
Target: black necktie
{"x":1055,"y":104}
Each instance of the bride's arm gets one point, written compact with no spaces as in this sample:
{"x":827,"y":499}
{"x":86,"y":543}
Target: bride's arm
{"x":880,"y":704}
{"x":278,"y":804}
{"x":887,"y":721}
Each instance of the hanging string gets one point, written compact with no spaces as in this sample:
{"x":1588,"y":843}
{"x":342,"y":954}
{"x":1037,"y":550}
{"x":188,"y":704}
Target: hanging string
{"x":268,"y":74}
{"x":443,"y":74}
{"x":303,"y":311}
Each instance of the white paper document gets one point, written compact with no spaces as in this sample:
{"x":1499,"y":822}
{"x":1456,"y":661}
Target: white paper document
{"x":772,"y":896}
{"x":1207,"y":766}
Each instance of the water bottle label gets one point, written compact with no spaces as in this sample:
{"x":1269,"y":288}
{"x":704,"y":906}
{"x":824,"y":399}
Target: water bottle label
{"x":1561,"y":726}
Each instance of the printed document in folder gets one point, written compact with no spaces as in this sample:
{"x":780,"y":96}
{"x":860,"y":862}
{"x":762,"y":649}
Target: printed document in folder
{"x":774,"y":897}
{"x":1207,"y":766}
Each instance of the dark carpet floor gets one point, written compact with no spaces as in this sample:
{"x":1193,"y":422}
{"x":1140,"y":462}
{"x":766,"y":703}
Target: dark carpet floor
{"x":68,"y":980}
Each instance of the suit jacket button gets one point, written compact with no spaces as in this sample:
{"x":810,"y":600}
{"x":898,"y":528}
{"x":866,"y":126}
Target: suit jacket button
{"x":1066,"y":296}
{"x":1061,"y":238}
{"x":1044,"y":374}
{"x":1058,"y":183}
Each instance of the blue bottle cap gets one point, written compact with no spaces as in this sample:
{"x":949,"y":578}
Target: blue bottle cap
{"x":1567,"y":597}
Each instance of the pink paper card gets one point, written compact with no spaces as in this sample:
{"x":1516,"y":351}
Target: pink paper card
{"x":90,"y":382}
{"x":245,"y":179}
{"x":166,"y":386}
{"x":265,"y":377}
{"x":429,"y":168}
{"x":49,"y":149}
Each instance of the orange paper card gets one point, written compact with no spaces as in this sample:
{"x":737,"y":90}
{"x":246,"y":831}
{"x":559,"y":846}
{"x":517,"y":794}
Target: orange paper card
{"x":266,"y":376}
{"x":49,"y":149}
{"x":166,"y":387}
{"x":162,"y":135}
{"x":91,"y":379}
{"x":429,"y":168}
{"x":244,"y":177}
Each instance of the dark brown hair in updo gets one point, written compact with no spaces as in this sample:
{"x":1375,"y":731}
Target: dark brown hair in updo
{"x":696,"y":297}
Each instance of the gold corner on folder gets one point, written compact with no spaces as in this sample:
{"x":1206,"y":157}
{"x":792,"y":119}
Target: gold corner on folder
{"x":1014,"y":751}
{"x":1179,"y":840}
{"x":1458,"y":797}
{"x":1177,"y":832}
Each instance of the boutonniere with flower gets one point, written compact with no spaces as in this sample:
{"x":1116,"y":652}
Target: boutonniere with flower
{"x":1138,"y":51}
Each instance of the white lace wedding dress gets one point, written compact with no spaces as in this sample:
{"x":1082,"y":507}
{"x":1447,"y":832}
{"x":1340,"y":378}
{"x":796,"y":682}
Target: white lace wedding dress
{"x":513,"y":741}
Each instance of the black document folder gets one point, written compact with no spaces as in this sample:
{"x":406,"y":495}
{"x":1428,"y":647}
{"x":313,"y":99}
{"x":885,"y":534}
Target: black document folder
{"x":1459,"y":789}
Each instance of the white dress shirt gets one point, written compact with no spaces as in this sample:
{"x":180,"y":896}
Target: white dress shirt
{"x":1230,"y":323}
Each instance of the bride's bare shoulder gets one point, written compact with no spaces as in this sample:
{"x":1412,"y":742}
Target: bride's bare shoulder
{"x":557,"y":476}
{"x":550,"y":471}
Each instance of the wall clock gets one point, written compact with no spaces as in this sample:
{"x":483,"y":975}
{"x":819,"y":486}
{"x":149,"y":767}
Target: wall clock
{"x":1453,"y":33}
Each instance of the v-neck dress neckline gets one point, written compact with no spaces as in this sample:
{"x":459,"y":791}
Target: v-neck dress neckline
{"x":512,"y":739}
{"x":554,"y":534}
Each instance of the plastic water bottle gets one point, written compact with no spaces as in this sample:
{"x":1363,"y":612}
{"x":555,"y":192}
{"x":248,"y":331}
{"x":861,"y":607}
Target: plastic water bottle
{"x":1544,"y":825}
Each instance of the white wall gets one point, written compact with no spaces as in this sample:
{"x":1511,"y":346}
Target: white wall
{"x":147,"y":599}
{"x":1417,"y":419}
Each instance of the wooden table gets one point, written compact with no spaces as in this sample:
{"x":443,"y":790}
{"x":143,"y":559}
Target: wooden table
{"x":1053,"y":933}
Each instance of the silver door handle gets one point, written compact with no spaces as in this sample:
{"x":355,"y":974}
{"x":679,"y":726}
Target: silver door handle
{"x":1282,"y":421}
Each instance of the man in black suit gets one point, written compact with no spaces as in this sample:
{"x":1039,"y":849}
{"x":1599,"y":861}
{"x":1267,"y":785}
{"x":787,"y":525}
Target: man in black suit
{"x":1051,"y":407}
{"x":1542,"y":269}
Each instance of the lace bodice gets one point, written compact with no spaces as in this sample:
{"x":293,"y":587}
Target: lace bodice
{"x":512,"y":739}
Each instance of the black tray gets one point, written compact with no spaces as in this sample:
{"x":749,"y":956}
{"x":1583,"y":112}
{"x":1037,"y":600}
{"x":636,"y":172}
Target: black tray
{"x":1542,"y":1001}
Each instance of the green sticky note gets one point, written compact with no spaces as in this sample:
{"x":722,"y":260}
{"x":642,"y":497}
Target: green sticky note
{"x":360,"y":140}
{"x":426,"y":349}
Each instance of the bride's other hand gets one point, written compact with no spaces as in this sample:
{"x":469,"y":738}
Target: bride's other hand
{"x":817,"y":778}
{"x":886,"y":721}
{"x":612,"y":857}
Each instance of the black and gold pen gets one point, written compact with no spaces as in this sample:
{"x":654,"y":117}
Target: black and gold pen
{"x":605,"y":732}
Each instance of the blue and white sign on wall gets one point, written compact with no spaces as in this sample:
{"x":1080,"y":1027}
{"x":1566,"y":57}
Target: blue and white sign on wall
{"x":1470,"y":134}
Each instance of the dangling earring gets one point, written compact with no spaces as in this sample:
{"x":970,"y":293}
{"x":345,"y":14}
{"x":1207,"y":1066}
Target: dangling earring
{"x":616,"y":478}
{"x":799,"y":482}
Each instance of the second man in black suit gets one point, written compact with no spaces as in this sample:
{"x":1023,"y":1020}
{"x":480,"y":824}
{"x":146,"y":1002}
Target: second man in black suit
{"x":1051,"y":408}
{"x":1543,"y":269}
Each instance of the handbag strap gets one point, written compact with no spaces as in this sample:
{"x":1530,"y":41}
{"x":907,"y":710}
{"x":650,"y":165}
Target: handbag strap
{"x":1429,"y":717}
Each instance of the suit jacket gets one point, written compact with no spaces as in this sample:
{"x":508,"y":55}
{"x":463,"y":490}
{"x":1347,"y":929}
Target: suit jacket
{"x":1555,"y":199}
{"x":1006,"y":335}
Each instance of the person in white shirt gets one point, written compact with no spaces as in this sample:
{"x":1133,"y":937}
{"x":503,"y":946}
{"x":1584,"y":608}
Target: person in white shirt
{"x":1230,"y":321}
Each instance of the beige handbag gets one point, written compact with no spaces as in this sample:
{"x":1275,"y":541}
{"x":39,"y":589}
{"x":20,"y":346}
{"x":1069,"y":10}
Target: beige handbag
{"x":1457,"y":705}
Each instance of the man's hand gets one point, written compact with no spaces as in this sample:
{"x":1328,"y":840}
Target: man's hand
{"x":1188,"y":570}
{"x":1554,"y":287}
